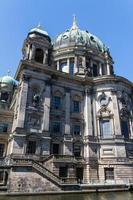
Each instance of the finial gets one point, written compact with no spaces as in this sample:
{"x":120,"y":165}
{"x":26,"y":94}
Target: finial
{"x":39,"y":25}
{"x":8,"y":72}
{"x":74,"y":26}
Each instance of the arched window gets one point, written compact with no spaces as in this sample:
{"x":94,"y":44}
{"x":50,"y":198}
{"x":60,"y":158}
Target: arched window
{"x":4,"y":96}
{"x":125,"y":116}
{"x":39,"y":55}
{"x":63,"y":66}
{"x":95,"y":70}
{"x":125,"y":128}
{"x":104,"y":70}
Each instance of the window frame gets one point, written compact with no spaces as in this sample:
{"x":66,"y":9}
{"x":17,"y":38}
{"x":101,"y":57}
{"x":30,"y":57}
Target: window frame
{"x":76,"y":109}
{"x":104,"y":135}
{"x":108,"y":176}
{"x":125,"y":134}
{"x":55,"y":106}
{"x":39,"y":55}
{"x":2,"y":151}
{"x":3,"y":129}
{"x":59,"y":128}
{"x":29,"y":150}
{"x":75,"y":132}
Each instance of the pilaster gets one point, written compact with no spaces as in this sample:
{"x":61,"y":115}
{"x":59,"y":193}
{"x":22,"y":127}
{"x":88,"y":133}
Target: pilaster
{"x":88,"y":113}
{"x":32,"y":53}
{"x":75,"y":64}
{"x":47,"y":95}
{"x":67,"y":113}
{"x":22,"y":102}
{"x":116,"y":114}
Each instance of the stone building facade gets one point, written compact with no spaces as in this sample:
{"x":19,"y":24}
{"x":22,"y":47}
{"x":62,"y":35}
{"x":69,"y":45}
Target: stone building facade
{"x":66,"y":118}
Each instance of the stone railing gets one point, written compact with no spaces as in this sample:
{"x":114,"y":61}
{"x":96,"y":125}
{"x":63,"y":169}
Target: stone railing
{"x":114,"y":160}
{"x":32,"y":157}
{"x":68,"y":158}
{"x":20,"y":161}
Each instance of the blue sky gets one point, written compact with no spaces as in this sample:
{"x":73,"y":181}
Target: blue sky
{"x":110,"y":20}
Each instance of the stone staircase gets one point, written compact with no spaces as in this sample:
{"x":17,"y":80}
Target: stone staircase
{"x":47,"y":173}
{"x":39,"y":168}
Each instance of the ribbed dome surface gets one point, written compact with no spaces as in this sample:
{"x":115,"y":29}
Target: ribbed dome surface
{"x":77,"y":37}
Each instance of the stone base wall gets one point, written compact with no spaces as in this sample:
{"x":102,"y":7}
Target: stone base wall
{"x":26,"y":182}
{"x":122,"y":173}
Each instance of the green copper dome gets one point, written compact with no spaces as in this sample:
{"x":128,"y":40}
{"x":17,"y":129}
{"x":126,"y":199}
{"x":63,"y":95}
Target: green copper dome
{"x":8,"y":80}
{"x":39,"y":29}
{"x":77,"y":37}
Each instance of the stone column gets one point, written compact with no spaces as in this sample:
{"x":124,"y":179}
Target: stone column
{"x":100,"y":69}
{"x":88,"y":113}
{"x":117,"y":126}
{"x":131,"y":129}
{"x":22,"y":100}
{"x":58,"y":65}
{"x":32,"y":53}
{"x":108,"y":67}
{"x":68,"y":65}
{"x":75,"y":64}
{"x":87,"y":132}
{"x":94,"y":115}
{"x":46,"y":115}
{"x":27,"y":51}
{"x":45,"y":56}
{"x":84,"y":62}
{"x":67,"y":113}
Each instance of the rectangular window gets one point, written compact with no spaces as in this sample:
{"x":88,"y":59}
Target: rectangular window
{"x":55,"y":150}
{"x":109,"y":173}
{"x":79,"y":174}
{"x":31,"y":147}
{"x":56,"y":102}
{"x":104,"y":69}
{"x":77,"y":150}
{"x":95,"y":70}
{"x":3,"y":127}
{"x":76,"y":106}
{"x":2,"y":147}
{"x":105,"y":128}
{"x":63,"y":172}
{"x":76,"y":130}
{"x":125,"y":128}
{"x":1,"y":176}
{"x":56,"y":127}
{"x":71,"y":68}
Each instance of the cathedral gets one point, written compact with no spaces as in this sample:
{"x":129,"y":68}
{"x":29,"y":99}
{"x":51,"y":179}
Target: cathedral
{"x":66,"y":118}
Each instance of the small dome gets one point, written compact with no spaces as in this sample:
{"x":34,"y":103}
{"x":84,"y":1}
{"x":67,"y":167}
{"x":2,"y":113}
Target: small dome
{"x":39,"y":30}
{"x":8,"y":80}
{"x":77,"y":37}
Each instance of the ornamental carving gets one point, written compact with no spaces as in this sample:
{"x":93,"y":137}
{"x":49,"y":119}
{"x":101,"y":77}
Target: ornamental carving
{"x":34,"y":120}
{"x":124,"y":114}
{"x":103,"y":100}
{"x":124,"y":99}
